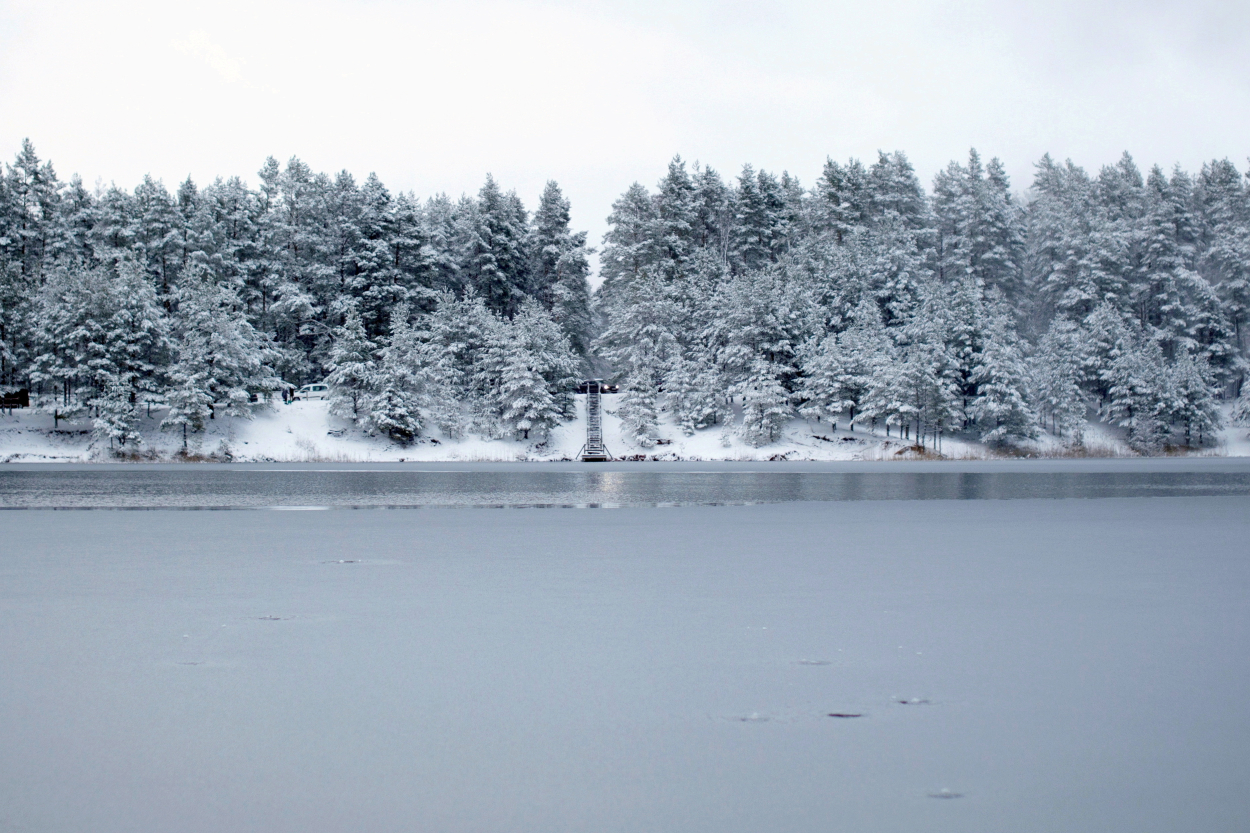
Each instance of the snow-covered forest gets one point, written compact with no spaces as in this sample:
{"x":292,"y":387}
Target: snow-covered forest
{"x":736,"y":302}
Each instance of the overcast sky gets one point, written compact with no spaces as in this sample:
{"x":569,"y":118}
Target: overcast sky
{"x":596,"y":94}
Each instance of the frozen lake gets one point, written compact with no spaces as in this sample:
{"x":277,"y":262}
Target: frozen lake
{"x":1058,"y":663}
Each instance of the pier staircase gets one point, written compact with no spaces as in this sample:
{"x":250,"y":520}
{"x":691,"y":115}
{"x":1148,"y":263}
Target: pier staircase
{"x":594,"y":451}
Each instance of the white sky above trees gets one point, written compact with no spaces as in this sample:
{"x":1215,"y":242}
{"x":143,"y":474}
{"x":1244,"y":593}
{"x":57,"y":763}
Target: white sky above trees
{"x":598,"y":94}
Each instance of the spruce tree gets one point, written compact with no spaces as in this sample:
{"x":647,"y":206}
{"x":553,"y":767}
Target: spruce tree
{"x":1195,"y":409}
{"x":1001,"y":408}
{"x":351,"y":366}
{"x":766,"y":404}
{"x":415,"y":386}
{"x":117,"y":419}
{"x":221,"y":360}
{"x":638,"y":410}
{"x":528,"y":406}
{"x":695,"y":392}
{"x":839,"y":370}
{"x":393,"y":411}
{"x":1058,"y":373}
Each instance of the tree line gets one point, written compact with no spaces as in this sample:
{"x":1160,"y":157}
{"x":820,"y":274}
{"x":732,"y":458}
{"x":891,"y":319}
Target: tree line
{"x":966,"y":309}
{"x":738,"y":302}
{"x":468,"y":314}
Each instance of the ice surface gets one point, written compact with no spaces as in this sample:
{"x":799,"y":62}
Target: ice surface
{"x":488,"y":670}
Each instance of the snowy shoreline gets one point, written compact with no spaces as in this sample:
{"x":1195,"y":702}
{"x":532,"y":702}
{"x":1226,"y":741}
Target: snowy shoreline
{"x":305,"y":432}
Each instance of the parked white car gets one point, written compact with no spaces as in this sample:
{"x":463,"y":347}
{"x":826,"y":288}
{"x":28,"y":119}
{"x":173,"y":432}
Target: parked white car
{"x":312,"y":392}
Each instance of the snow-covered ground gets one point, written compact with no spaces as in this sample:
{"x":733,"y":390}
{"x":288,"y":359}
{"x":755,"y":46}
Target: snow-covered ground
{"x":306,"y":432}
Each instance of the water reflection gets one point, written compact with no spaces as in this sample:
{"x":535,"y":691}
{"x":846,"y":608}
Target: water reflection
{"x":217,"y":487}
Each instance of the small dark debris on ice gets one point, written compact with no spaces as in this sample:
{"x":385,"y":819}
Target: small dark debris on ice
{"x":945,"y":794}
{"x":845,"y":714}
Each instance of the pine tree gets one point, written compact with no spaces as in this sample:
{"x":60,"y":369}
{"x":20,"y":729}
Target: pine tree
{"x":1240,"y":413}
{"x":494,"y":259}
{"x":1075,"y":258}
{"x":189,"y":397}
{"x":639,"y":337}
{"x":1106,"y":333}
{"x":762,"y":315}
{"x":1159,"y":294}
{"x":220,"y":229}
{"x":221,"y":361}
{"x":1224,"y":213}
{"x":980,"y":229}
{"x":32,"y":197}
{"x":713,"y":214}
{"x":922,"y":393}
{"x":894,"y":191}
{"x":29,"y":199}
{"x":754,"y":222}
{"x":630,"y":248}
{"x":842,"y":200}
{"x":461,"y":332}
{"x":676,"y":217}
{"x":1000,"y":241}
{"x":386,"y":256}
{"x":75,"y":217}
{"x":98,"y":328}
{"x":560,"y":268}
{"x":156,"y":230}
{"x":549,"y":239}
{"x":1209,"y":332}
{"x":137,"y":332}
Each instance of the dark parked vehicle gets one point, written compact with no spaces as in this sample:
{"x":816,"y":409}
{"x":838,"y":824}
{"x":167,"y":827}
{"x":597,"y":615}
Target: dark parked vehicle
{"x":15,"y":399}
{"x":584,"y":387}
